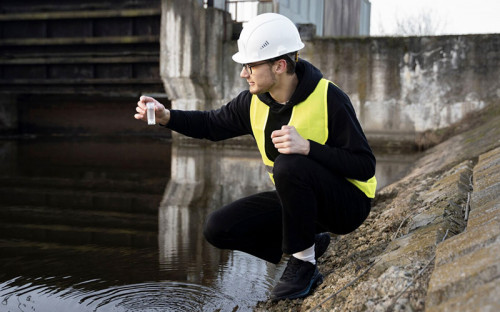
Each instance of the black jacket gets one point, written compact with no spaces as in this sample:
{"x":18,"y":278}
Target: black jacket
{"x":346,"y":152}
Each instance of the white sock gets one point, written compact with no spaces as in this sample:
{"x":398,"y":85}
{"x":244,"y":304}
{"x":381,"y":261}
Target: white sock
{"x":306,"y":255}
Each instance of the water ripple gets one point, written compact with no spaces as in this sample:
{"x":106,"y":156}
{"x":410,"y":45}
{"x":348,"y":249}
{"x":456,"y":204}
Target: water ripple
{"x":142,"y":297}
{"x":164,"y":296}
{"x":237,"y":284}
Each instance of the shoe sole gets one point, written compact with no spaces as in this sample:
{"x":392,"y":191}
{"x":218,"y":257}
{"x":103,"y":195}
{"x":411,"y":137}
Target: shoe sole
{"x":315,"y":282}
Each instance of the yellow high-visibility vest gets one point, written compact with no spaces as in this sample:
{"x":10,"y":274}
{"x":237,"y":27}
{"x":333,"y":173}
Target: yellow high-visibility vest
{"x":310,"y":118}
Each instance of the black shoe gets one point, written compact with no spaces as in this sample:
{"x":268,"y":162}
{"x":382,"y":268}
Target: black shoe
{"x":321,"y":242}
{"x":298,"y":280}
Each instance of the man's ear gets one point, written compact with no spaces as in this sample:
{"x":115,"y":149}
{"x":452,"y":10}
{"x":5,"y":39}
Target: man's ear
{"x":281,"y":66}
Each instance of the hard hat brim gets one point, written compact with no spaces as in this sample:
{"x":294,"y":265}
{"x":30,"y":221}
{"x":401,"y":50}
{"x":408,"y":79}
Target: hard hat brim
{"x":240,"y":58}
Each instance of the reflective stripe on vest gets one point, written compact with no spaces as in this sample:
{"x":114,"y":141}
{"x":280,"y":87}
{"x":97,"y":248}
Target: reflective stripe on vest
{"x":310,"y":118}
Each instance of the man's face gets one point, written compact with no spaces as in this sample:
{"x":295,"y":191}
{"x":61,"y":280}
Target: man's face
{"x":259,"y":76}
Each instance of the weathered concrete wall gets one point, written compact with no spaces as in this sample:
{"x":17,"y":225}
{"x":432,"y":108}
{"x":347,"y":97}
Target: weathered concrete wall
{"x":399,"y":86}
{"x":194,"y":58}
{"x":413,"y":84}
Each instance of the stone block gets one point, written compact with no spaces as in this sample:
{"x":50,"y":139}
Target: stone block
{"x":484,"y":298}
{"x":486,"y":212}
{"x":493,"y":161}
{"x":486,"y":157}
{"x":487,"y":179}
{"x":469,"y":241}
{"x":417,"y":245}
{"x":465,"y":274}
{"x":487,"y":170}
{"x":445,"y":199}
{"x":427,"y":217}
{"x":484,"y":196}
{"x":452,"y":185}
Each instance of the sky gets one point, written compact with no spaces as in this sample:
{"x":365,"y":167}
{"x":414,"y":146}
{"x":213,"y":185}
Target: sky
{"x":448,"y":16}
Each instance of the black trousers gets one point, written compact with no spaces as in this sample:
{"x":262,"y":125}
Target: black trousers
{"x":308,"y":199}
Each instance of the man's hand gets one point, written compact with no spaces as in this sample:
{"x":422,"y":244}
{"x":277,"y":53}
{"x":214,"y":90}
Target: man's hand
{"x":288,"y":141}
{"x":162,"y":114}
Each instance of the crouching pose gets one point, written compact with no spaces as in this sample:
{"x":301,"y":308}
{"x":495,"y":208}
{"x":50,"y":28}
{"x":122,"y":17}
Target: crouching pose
{"x":311,"y":143}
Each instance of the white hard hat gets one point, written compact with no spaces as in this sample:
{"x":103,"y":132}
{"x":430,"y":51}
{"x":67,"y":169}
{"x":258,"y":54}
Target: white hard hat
{"x":267,"y":36}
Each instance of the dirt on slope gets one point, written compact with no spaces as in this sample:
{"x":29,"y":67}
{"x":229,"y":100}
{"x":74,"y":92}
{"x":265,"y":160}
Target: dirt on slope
{"x":360,"y":270}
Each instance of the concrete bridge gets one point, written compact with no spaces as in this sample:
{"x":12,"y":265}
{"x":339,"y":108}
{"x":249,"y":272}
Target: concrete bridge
{"x":76,"y":67}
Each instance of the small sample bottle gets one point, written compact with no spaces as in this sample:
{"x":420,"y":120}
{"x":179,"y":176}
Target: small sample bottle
{"x":151,"y":113}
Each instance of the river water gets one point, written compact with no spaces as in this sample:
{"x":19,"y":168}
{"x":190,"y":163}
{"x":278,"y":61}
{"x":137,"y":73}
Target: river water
{"x":80,"y":230}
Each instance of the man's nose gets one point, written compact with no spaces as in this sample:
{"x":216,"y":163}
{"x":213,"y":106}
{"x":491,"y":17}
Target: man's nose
{"x":243,"y":73}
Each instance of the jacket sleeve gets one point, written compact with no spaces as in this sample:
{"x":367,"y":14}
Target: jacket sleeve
{"x":346,"y":151}
{"x":230,"y":120}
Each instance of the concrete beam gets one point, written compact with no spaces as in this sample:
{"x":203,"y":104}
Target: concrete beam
{"x":192,"y":53}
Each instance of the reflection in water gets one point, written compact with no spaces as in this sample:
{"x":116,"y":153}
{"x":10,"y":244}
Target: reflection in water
{"x":392,"y":167}
{"x":80,"y":228}
{"x":204,"y":178}
{"x":79,"y":231}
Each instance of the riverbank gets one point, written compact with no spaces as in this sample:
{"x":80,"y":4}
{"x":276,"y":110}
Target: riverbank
{"x":440,"y":220}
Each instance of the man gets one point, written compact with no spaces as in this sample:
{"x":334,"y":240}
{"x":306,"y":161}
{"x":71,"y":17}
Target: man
{"x":312,"y":146}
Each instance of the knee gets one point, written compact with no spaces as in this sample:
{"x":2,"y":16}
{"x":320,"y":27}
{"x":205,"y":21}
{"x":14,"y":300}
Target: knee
{"x":213,"y":230}
{"x":287,"y":166}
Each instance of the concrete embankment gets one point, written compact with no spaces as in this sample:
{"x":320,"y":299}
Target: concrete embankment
{"x":467,"y":270}
{"x":432,"y":241}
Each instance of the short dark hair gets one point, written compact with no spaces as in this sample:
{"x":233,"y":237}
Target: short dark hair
{"x":291,"y":59}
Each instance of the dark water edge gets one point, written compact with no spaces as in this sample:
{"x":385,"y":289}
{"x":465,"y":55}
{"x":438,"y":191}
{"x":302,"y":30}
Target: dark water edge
{"x":79,"y":231}
{"x":101,"y":279}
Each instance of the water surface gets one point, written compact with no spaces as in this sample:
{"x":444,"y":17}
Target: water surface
{"x":79,"y":228}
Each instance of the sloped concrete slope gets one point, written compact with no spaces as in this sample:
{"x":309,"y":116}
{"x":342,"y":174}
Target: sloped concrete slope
{"x":431,"y":242}
{"x":467,"y":273}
